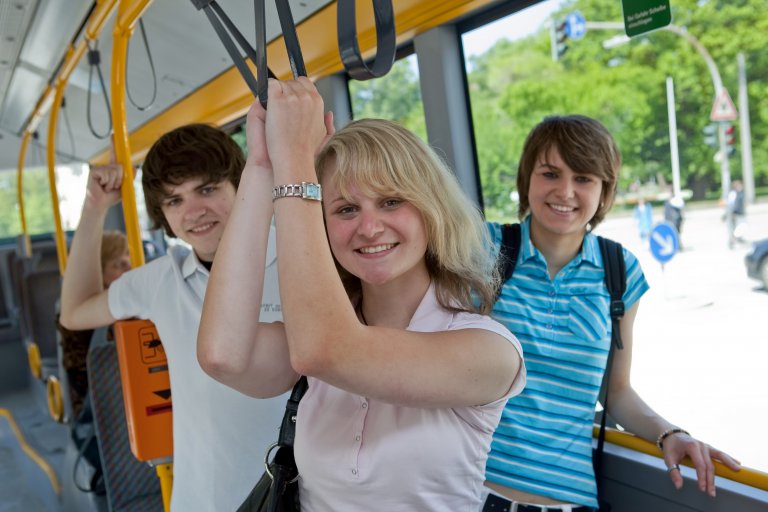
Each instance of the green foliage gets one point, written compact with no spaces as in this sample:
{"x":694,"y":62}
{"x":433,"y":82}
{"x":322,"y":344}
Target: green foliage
{"x":396,"y":96}
{"x":37,"y":203}
{"x":515,"y":84}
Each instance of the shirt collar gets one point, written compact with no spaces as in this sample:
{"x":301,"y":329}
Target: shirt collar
{"x":191,"y":263}
{"x":430,"y":315}
{"x":588,"y":254}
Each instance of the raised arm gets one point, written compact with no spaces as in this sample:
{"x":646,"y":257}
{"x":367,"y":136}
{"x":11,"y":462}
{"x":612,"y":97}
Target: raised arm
{"x":632,"y":413}
{"x":232,"y":346}
{"x":326,"y":339}
{"x":83,"y":298}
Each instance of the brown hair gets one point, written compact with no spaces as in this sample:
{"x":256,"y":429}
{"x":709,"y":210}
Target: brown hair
{"x":114,"y":244}
{"x":382,"y":156}
{"x":191,"y":151}
{"x":584,"y":144}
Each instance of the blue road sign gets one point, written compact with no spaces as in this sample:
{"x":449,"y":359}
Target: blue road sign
{"x":575,"y":25}
{"x":664,"y":242}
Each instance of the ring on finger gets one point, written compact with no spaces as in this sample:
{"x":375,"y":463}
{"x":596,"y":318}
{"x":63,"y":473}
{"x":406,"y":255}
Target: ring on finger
{"x":673,"y":467}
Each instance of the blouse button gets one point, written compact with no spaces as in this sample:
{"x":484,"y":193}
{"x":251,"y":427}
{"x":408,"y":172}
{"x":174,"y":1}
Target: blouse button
{"x":365,"y":405}
{"x":354,"y":471}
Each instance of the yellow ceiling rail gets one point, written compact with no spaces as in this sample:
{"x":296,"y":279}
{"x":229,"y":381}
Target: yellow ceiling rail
{"x":128,"y":13}
{"x":227,"y":97}
{"x":98,"y":18}
{"x":746,"y":476}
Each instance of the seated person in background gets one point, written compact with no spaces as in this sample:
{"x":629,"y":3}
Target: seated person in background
{"x":407,"y":377}
{"x":557,"y":303}
{"x":115,"y":260}
{"x":189,"y":177}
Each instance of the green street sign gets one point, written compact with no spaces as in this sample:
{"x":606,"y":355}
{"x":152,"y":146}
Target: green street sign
{"x":641,"y":16}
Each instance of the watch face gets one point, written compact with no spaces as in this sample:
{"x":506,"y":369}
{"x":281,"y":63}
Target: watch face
{"x":312,"y":191}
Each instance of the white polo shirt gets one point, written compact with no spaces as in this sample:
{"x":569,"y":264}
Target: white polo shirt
{"x":357,"y":454}
{"x":219,"y":434}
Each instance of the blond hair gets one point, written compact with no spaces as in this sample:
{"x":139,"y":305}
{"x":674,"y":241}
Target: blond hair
{"x":114,"y":245}
{"x":379,"y":156}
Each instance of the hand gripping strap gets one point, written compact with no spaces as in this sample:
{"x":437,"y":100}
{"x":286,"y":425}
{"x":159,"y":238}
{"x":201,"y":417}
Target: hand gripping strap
{"x":386,"y":40}
{"x":224,"y":27}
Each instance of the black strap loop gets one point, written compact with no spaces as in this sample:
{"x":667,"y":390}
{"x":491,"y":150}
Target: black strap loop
{"x":94,"y":61}
{"x":386,"y":40}
{"x":142,"y":108}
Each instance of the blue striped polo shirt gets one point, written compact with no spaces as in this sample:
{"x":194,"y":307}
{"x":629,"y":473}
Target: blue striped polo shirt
{"x":543,"y":444}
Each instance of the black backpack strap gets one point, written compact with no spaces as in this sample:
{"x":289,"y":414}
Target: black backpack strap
{"x":508,"y":252}
{"x":615,"y":270}
{"x":616,"y":282}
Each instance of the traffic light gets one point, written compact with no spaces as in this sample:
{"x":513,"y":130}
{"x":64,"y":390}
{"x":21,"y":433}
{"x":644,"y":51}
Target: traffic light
{"x":710,"y":135}
{"x":559,"y":36}
{"x":730,"y":139}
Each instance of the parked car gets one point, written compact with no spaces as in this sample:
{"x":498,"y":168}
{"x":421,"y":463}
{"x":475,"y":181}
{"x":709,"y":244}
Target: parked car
{"x":757,"y":262}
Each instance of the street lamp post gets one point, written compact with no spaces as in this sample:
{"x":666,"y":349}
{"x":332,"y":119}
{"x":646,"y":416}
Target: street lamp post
{"x":717,"y":82}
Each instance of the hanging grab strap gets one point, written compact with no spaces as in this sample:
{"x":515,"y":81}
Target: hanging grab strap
{"x":386,"y":41}
{"x":221,"y":24}
{"x":94,"y":61}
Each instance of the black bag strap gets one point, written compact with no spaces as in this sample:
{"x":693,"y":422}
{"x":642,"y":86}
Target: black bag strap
{"x":223,"y":26}
{"x":386,"y":40}
{"x":508,"y":252}
{"x":288,"y":426}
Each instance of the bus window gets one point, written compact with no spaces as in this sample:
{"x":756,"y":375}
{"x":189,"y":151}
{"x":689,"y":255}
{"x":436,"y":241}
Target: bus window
{"x":685,"y":365}
{"x":395,"y":96}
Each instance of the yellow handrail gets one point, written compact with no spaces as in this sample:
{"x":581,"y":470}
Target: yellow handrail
{"x":31,"y":453}
{"x":746,"y":476}
{"x":20,"y":191}
{"x":61,"y":244}
{"x":128,"y":13}
{"x":51,"y":101}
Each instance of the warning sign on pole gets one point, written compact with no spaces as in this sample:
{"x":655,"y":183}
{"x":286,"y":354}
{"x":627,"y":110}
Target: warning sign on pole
{"x":723,"y":108}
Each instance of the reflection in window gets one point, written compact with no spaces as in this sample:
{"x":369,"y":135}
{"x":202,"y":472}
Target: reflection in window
{"x":395,"y":96}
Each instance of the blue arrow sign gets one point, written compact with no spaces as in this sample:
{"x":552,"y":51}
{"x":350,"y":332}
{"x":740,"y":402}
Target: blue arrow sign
{"x":664,"y":242}
{"x":575,"y":25}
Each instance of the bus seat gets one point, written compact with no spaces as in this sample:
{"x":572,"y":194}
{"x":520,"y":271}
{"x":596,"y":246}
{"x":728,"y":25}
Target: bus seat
{"x":7,"y":306}
{"x":130,"y":484}
{"x":40,"y":293}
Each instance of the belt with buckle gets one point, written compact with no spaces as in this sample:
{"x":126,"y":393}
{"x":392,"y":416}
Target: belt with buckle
{"x":498,"y":504}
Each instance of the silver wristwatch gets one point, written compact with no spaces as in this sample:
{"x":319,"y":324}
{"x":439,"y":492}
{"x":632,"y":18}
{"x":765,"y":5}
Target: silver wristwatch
{"x":310,"y":191}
